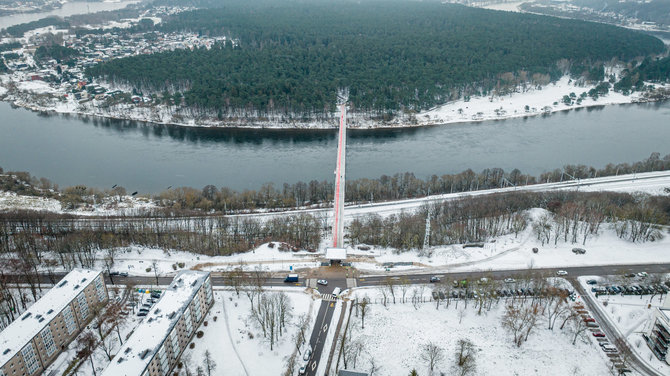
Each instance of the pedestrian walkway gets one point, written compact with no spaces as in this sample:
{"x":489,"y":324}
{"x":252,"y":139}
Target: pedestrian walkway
{"x":328,"y":297}
{"x":351,"y":283}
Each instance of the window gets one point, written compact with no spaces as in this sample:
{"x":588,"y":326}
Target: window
{"x":198,"y":312}
{"x":162,"y":357}
{"x":48,"y":340}
{"x":187,"y":321}
{"x":208,"y":290}
{"x":83,"y":305}
{"x":175,"y":344}
{"x":30,"y":359}
{"x":69,"y":319}
{"x":100,"y":289}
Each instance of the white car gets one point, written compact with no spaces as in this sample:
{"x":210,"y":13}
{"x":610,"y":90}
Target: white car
{"x":561,"y":272}
{"x":510,"y":280}
{"x":322,"y":282}
{"x":642,"y":275}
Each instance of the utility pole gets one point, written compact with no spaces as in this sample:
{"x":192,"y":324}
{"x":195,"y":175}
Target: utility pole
{"x":426,"y":238}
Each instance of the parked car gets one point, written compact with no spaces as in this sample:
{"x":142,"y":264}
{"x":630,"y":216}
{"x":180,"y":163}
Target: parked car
{"x":578,"y":251}
{"x":123,"y":274}
{"x":510,"y":280}
{"x":589,"y":319}
{"x":322,"y":282}
{"x":434,"y":279}
{"x":113,"y":273}
{"x":591,"y":282}
{"x":642,"y":275}
{"x":307,"y":354}
{"x":142,"y":313}
{"x":598,"y":334}
{"x":561,"y":272}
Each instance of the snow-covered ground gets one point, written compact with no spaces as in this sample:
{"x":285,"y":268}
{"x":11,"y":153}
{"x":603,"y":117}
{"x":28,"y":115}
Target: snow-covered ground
{"x":394,"y":337}
{"x":237,"y":344}
{"x":631,"y":314}
{"x":510,"y":252}
{"x":136,"y":260}
{"x":540,"y":101}
{"x":111,"y":206}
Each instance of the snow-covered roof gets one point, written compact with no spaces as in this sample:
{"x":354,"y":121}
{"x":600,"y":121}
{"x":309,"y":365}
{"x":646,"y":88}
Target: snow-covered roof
{"x":136,"y":354}
{"x":24,"y":328}
{"x":336,"y":253}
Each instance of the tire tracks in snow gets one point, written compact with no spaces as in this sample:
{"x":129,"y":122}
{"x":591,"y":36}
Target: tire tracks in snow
{"x":230,"y":337}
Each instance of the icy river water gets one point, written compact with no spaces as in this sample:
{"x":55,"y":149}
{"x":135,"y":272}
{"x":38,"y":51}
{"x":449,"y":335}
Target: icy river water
{"x":148,"y":158}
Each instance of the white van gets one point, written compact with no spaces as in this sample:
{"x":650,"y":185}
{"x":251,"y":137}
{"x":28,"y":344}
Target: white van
{"x":336,"y":292}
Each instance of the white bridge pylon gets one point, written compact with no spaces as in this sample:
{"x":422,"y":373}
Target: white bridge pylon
{"x":338,"y":224}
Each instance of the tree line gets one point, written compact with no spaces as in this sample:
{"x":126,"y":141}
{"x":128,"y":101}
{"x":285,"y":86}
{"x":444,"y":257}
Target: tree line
{"x":572,"y":217}
{"x":290,"y":59}
{"x":185,"y":200}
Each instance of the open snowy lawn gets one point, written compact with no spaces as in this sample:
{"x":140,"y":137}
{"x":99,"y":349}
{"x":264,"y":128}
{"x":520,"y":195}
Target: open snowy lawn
{"x":229,"y":338}
{"x":632,"y":315}
{"x":394,"y":337}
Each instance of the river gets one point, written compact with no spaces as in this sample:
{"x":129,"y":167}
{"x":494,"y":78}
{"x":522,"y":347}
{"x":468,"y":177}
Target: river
{"x":68,"y":9}
{"x":149,"y":158}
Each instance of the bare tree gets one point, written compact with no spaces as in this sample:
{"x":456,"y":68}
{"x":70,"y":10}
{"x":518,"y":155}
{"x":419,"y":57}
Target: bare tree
{"x":520,"y":321}
{"x":86,"y":346}
{"x":208,"y":363}
{"x":390,"y":286}
{"x":578,"y":326}
{"x":465,"y":357}
{"x":433,"y":354}
{"x":364,"y":306}
{"x":461,"y":313}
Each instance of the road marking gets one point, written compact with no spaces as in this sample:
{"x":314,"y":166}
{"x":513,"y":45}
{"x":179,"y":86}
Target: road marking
{"x":332,"y":304}
{"x":313,"y":365}
{"x":325,"y":327}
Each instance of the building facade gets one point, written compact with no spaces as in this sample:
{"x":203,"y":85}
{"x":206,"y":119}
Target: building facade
{"x":157,"y":343}
{"x":34,"y":340}
{"x":658,"y":334}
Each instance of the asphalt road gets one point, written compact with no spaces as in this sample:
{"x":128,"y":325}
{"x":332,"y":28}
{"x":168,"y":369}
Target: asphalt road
{"x":515,"y":273}
{"x":319,"y":334}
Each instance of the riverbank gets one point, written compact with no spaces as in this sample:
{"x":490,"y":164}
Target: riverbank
{"x":41,"y":96}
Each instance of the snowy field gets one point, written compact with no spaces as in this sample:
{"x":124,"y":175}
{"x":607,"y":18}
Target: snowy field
{"x":111,"y":206}
{"x":632,"y":315}
{"x":229,"y":338}
{"x":510,"y":252}
{"x":531,"y":102}
{"x":398,"y":351}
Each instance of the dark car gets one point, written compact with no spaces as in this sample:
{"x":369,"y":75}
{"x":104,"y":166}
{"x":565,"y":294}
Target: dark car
{"x":434,"y":279}
{"x":592,"y":282}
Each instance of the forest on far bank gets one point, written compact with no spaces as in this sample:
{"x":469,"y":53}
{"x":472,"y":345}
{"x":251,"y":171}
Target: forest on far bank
{"x":291,"y":58}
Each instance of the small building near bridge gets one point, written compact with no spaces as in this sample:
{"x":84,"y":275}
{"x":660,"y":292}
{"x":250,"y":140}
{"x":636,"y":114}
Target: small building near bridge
{"x":336,"y":255}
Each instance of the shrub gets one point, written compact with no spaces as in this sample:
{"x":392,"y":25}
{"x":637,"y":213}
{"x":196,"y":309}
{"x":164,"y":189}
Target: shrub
{"x":192,"y":345}
{"x":148,"y":270}
{"x":174,"y":266}
{"x":199,"y":334}
{"x":204,"y":323}
{"x":214,"y":318}
{"x":181,"y":264}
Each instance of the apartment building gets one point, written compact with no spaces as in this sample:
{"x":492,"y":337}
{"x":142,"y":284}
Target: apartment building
{"x":658,"y":334}
{"x":30,"y":343}
{"x":158,"y":342}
